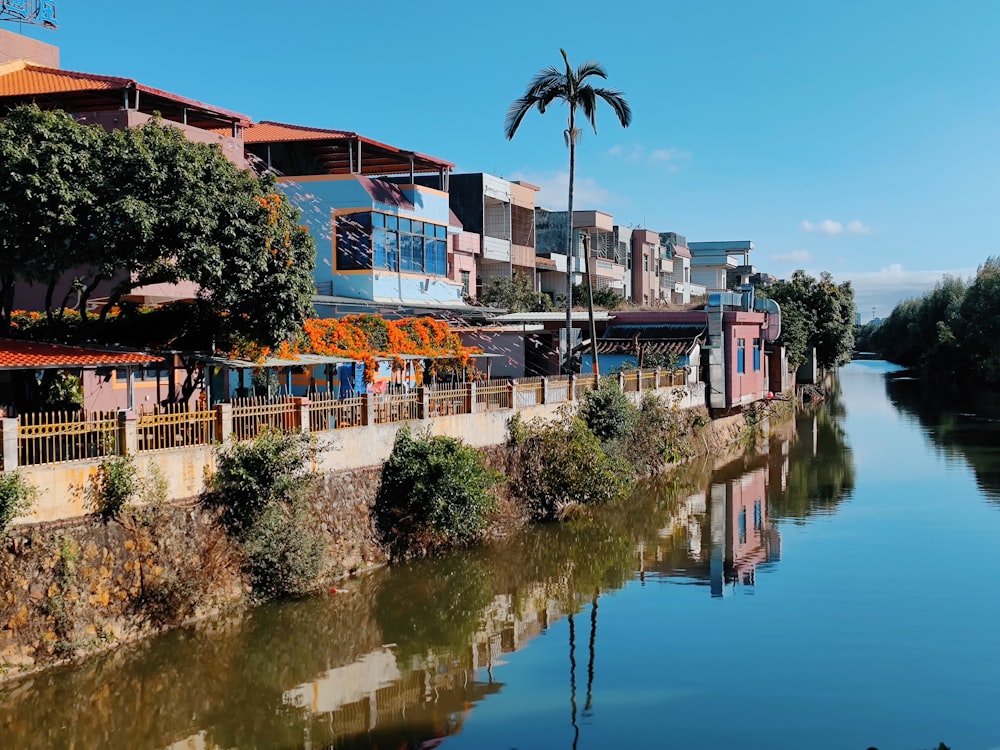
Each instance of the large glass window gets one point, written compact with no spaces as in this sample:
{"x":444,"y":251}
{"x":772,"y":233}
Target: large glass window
{"x":741,"y":356}
{"x":756,"y":354}
{"x":418,"y":246}
{"x":354,"y":242}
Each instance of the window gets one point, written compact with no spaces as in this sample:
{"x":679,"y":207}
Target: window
{"x":645,"y":262}
{"x":418,"y":246}
{"x":741,"y":356}
{"x":465,"y":283}
{"x":756,"y":355}
{"x":354,"y":242}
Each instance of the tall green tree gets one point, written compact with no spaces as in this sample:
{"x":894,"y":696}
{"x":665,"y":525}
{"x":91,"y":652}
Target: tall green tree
{"x":572,"y":87}
{"x":49,"y":182}
{"x":143,"y":206}
{"x":514,"y":294}
{"x":815,"y":313}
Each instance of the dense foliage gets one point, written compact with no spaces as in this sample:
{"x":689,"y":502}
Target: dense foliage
{"x":261,"y":489}
{"x":118,"y":484}
{"x":952,"y":330}
{"x":608,"y":412}
{"x":435,"y":492}
{"x":85,"y":211}
{"x":562,"y":463}
{"x":514,"y":294}
{"x":815,"y":313}
{"x":16,"y":497}
{"x":606,"y":298}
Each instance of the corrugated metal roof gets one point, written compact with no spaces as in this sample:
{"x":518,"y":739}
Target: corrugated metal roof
{"x":34,"y":355}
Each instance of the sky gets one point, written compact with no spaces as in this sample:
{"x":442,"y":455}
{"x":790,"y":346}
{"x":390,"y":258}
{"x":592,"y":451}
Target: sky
{"x":855,"y":137}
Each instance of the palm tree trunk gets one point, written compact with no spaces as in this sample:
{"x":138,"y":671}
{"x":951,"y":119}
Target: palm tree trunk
{"x":595,"y":365}
{"x":569,"y":240}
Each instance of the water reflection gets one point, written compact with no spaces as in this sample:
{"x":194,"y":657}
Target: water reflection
{"x":403,"y":657}
{"x":962,"y":423}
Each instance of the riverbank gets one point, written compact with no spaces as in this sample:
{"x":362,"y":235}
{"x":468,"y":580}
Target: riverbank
{"x":82,"y":586}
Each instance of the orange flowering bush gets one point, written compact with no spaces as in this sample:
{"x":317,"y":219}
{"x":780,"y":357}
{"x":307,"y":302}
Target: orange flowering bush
{"x":365,"y":338}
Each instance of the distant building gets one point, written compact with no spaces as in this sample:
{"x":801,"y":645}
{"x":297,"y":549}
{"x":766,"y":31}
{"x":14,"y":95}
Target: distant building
{"x":711,"y":263}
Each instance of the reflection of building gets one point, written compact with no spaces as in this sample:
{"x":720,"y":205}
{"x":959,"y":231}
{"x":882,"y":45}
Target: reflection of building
{"x":719,"y":536}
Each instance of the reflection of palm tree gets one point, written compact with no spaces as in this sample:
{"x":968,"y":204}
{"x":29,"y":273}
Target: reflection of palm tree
{"x":590,"y":664}
{"x":571,"y":87}
{"x":572,"y":680}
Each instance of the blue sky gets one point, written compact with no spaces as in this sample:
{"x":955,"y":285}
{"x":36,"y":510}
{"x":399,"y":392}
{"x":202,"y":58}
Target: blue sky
{"x":855,"y":137}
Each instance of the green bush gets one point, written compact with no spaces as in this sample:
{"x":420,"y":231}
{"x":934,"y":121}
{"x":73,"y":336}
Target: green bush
{"x":17,"y":495}
{"x":662,"y":435}
{"x":284,"y":553}
{"x":251,"y":476}
{"x":261,"y":490}
{"x":435,"y":492}
{"x":118,"y":484}
{"x":561,"y":463}
{"x":608,"y":412}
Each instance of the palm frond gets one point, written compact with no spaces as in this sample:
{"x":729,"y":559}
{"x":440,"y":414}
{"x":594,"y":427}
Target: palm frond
{"x":515,"y":114}
{"x":617,"y":101}
{"x":586,"y":101}
{"x":590,"y":68}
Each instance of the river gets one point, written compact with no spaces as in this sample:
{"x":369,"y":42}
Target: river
{"x":833,"y":591}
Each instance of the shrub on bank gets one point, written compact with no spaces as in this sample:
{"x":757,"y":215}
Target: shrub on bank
{"x":608,"y":412}
{"x":16,"y":497}
{"x":562,"y":463}
{"x":117,"y":485}
{"x":261,"y":491}
{"x":435,"y":492}
{"x":661,"y":436}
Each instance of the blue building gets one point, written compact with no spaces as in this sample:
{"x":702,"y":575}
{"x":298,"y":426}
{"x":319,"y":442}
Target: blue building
{"x":381,"y":238}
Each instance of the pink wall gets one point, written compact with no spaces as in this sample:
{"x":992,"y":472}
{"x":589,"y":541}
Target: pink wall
{"x":462,"y":252}
{"x":645,"y":284}
{"x":750,"y":385}
{"x":747,"y":511}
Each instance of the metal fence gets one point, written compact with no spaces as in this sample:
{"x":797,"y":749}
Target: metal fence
{"x":529,"y":392}
{"x":647,"y":379}
{"x":58,"y":437}
{"x":251,"y":416}
{"x":452,"y":401}
{"x":558,"y":389}
{"x":334,"y":414}
{"x":174,"y":426}
{"x":582,"y":384}
{"x":494,"y":395}
{"x":630,"y":381}
{"x":397,"y":407}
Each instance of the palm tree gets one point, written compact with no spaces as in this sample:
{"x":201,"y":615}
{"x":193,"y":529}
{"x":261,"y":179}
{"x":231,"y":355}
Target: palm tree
{"x":571,"y":87}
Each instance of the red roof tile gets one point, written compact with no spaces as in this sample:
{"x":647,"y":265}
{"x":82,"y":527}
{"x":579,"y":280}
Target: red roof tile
{"x":277,"y":132}
{"x":31,"y":80}
{"x":33,"y":355}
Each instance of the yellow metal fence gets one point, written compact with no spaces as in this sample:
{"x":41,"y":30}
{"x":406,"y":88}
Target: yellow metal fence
{"x":334,"y":414}
{"x":58,"y":437}
{"x":494,"y":395}
{"x":251,"y":416}
{"x":450,"y":401}
{"x":174,"y":426}
{"x":397,"y":407}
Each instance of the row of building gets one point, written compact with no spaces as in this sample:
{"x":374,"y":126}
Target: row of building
{"x":399,"y":233}
{"x":393,"y":226}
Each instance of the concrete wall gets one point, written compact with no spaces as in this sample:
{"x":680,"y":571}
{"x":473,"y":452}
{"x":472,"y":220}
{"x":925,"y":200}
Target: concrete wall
{"x":19,"y":47}
{"x":750,"y":385}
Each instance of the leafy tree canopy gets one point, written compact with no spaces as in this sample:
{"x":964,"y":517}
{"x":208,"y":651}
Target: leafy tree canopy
{"x":119,"y":210}
{"x":815,"y":313}
{"x":514,"y":294}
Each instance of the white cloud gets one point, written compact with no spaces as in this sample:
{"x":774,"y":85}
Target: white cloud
{"x":667,"y":158}
{"x":828,"y":227}
{"x":832,"y":228}
{"x":554,"y":191}
{"x":887,"y":287}
{"x":796,"y":256}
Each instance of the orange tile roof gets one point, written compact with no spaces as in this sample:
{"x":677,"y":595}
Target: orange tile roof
{"x":21,"y":78}
{"x":34,"y":355}
{"x":31,"y":80}
{"x":276,"y":132}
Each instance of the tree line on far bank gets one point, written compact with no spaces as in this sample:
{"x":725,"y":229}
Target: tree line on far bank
{"x":952,"y":331}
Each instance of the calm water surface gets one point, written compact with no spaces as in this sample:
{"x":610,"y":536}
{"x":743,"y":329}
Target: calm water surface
{"x":837,"y":591}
